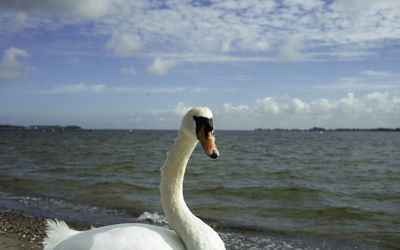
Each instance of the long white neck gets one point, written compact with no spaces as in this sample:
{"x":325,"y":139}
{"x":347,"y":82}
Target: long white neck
{"x":193,"y":231}
{"x":172,"y":174}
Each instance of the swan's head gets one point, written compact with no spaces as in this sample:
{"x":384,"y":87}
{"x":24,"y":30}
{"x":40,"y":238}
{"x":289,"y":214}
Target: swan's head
{"x":198,"y":123}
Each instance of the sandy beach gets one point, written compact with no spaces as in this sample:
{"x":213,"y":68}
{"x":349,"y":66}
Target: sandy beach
{"x":19,"y":230}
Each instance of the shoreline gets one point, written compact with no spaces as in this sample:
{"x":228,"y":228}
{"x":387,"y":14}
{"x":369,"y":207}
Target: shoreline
{"x":60,"y":128}
{"x":21,"y":230}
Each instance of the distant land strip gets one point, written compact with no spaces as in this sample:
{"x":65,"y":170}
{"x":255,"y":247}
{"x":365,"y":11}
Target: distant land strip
{"x":39,"y":127}
{"x":319,"y":129}
{"x":336,"y":129}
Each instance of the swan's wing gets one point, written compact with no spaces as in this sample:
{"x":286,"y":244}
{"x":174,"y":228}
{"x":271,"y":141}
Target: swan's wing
{"x":124,"y":236}
{"x":56,"y":232}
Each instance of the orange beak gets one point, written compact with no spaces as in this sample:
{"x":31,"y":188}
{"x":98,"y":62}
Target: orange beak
{"x":208,"y":142}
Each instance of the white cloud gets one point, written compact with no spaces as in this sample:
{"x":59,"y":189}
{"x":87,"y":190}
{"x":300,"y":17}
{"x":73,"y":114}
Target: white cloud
{"x":161,"y":66}
{"x":268,"y":105}
{"x":181,"y":109}
{"x":93,"y":9}
{"x":74,"y":88}
{"x":10,"y":68}
{"x":98,"y":87}
{"x":124,"y":44}
{"x":229,"y":108}
{"x":170,"y":114}
{"x":382,"y":74}
{"x":128,"y":70}
{"x":381,"y":102}
{"x":321,"y":106}
{"x":297,"y":106}
{"x":290,"y":50}
{"x":262,"y":45}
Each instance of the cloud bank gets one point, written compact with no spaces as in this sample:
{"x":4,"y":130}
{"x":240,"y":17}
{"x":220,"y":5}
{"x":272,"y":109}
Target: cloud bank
{"x":376,"y":109}
{"x":224,"y":29}
{"x":373,"y":110}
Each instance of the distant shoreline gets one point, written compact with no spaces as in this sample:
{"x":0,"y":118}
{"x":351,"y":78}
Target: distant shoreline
{"x":318,"y":129}
{"x":39,"y":127}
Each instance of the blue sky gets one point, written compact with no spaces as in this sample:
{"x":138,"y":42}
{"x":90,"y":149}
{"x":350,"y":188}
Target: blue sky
{"x":142,"y":64}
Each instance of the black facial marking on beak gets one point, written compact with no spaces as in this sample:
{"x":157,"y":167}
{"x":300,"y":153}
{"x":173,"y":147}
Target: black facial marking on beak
{"x":204,"y":133}
{"x":203,"y":121}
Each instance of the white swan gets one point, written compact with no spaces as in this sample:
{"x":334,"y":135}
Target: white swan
{"x":189,"y":231}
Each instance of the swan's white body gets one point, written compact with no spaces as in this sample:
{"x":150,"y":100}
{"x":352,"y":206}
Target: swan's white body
{"x":191,"y":232}
{"x":120,"y":236}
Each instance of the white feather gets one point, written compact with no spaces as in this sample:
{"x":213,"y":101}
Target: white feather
{"x":56,"y":232}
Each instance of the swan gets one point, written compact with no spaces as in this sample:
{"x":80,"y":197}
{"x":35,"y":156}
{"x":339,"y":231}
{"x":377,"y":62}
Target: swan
{"x":189,"y":232}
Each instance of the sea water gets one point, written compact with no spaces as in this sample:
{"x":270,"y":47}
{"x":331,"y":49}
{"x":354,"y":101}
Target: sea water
{"x":267,"y":190}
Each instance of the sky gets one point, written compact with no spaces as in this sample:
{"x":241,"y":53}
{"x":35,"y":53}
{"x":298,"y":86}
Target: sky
{"x":256,"y":64}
